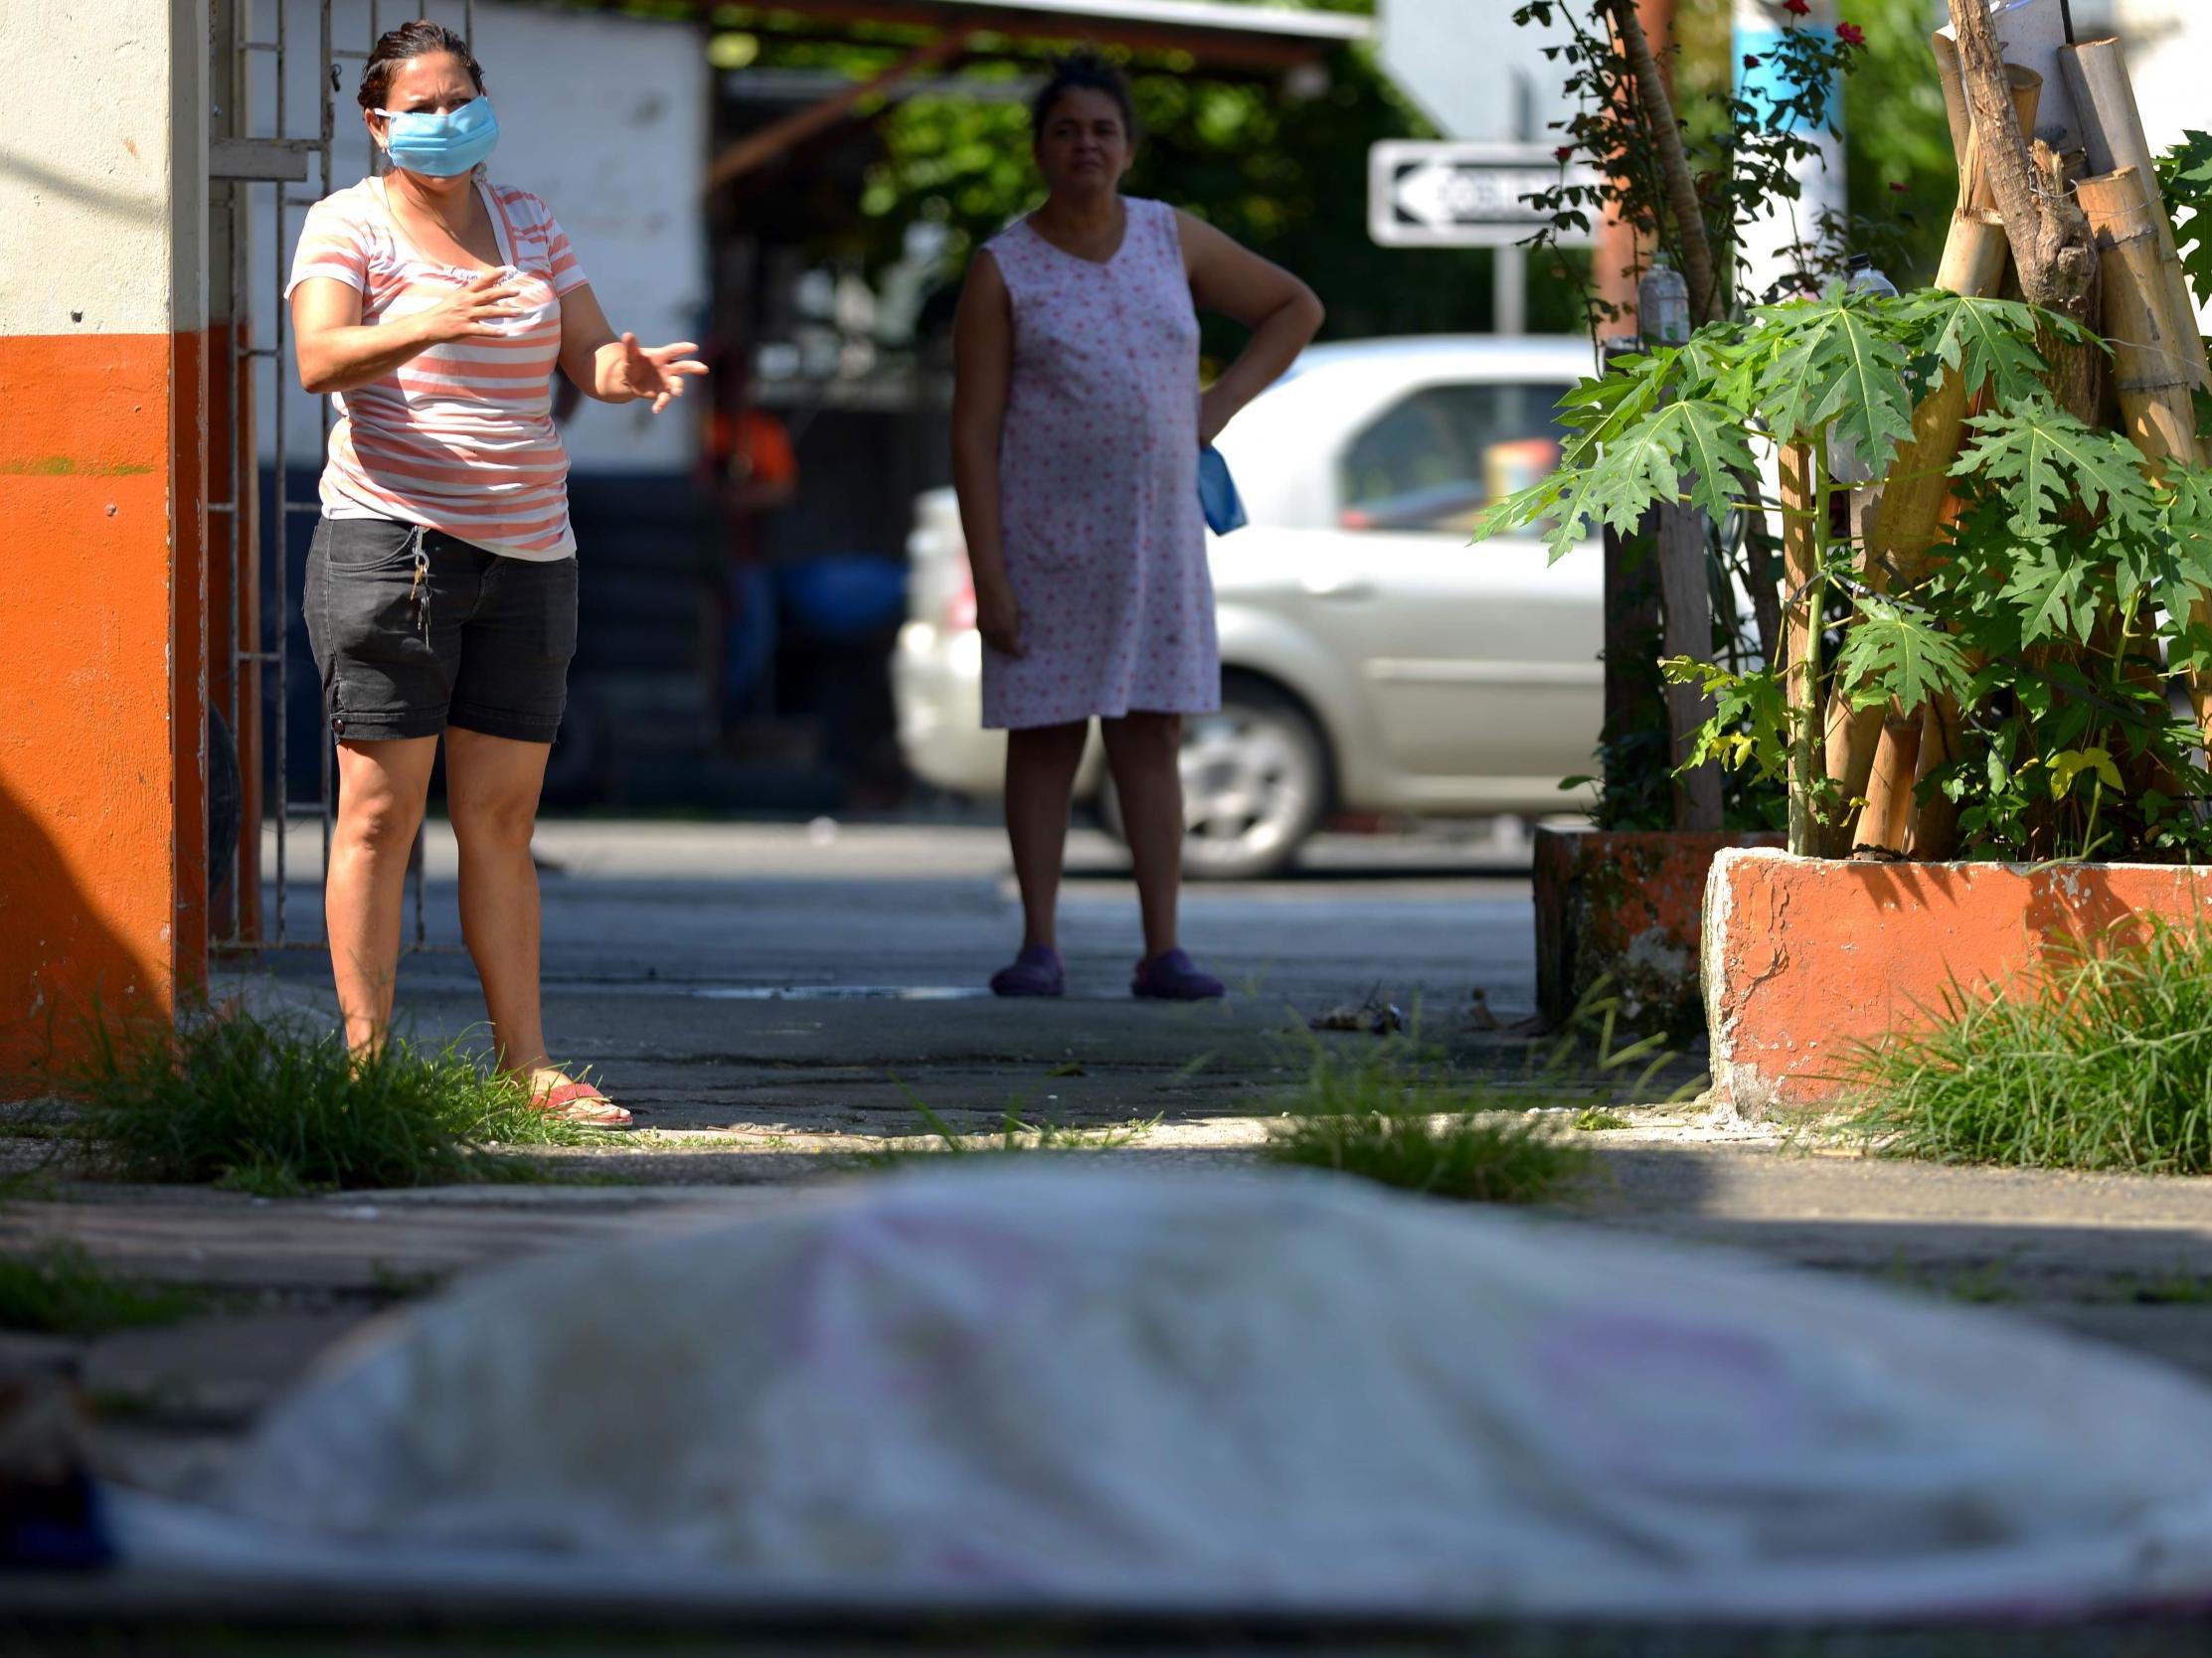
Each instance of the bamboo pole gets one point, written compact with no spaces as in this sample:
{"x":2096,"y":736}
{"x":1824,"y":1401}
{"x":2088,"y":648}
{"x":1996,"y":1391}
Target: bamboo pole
{"x":2154,"y":375}
{"x":2145,"y":319}
{"x":1901,"y":528}
{"x":1952,"y":82}
{"x":1804,"y":503}
{"x":2112,"y":127}
{"x":1888,"y":793}
{"x":1933,"y":832}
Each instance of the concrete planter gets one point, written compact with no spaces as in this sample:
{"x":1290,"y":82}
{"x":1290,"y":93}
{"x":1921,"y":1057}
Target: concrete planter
{"x":1625,"y":903}
{"x":1804,"y":958}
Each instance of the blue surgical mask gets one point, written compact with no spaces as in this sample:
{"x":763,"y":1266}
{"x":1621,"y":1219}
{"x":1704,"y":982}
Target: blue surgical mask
{"x":443,"y":146}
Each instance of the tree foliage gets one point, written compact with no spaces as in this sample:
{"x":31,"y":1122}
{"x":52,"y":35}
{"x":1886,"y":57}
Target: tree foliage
{"x":1282,"y":170}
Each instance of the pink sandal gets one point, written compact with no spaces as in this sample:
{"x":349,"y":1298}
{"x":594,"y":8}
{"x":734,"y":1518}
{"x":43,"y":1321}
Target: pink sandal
{"x":582,"y":1102}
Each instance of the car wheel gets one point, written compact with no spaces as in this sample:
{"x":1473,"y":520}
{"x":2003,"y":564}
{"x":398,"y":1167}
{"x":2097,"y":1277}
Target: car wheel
{"x":1255,"y":785}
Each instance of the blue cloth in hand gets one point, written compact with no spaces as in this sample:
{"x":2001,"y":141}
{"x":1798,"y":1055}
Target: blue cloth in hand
{"x":1217,"y":493}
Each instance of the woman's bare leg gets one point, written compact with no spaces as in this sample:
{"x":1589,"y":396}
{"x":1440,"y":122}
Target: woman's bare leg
{"x":1142,"y":751}
{"x":1041,"y":768}
{"x":492,"y":784}
{"x":381,"y":789}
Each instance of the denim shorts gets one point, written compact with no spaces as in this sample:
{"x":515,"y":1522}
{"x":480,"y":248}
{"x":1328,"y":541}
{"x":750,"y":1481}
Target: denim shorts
{"x":413,"y":630}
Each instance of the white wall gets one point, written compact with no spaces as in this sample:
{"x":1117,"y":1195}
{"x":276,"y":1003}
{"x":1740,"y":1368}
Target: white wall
{"x":88,"y":95}
{"x":605,"y":118}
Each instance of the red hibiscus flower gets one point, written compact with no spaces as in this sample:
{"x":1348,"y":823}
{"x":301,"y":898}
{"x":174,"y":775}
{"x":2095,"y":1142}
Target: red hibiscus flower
{"x":1796,"y":8}
{"x":1750,"y":61}
{"x":1901,"y":188}
{"x":1565,"y":152}
{"x":1850,"y":33}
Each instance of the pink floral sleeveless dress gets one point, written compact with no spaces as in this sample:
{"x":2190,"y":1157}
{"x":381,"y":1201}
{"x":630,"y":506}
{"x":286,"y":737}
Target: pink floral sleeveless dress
{"x":1106,"y":545}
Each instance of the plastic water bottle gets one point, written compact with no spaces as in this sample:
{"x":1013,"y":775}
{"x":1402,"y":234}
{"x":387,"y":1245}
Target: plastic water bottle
{"x":1663,"y":304}
{"x":1860,"y":276}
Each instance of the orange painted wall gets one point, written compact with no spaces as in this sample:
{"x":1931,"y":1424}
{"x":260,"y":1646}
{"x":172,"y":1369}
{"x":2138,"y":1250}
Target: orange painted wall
{"x":101,"y":720}
{"x":1806,"y":957}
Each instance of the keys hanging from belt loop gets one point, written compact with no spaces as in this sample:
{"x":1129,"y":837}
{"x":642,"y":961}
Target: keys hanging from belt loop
{"x":420,"y":589}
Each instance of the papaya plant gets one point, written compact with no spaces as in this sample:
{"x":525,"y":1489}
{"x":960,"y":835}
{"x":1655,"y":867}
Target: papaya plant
{"x":2052,"y":613}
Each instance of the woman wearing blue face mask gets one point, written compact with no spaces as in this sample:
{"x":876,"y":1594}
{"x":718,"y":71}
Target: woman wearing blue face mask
{"x":440,"y":592}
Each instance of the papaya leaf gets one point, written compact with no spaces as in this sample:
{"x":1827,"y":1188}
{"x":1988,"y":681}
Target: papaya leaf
{"x":2054,"y":594}
{"x":1989,"y":341}
{"x":1891,"y":651}
{"x":1713,"y":446}
{"x":2185,"y":177}
{"x":1834,"y":361}
{"x":1749,"y":724}
{"x":2185,"y":576}
{"x":1684,"y":450}
{"x":2041,"y":458}
{"x":1599,"y":410}
{"x":1523,"y":508}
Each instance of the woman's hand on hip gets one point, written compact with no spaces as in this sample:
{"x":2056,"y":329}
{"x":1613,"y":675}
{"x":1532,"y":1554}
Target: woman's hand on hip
{"x":483,"y":305}
{"x":655,"y":372}
{"x":998,"y":617}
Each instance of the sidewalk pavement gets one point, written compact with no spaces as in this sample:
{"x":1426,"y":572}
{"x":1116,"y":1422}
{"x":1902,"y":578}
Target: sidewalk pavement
{"x":766,"y":1026}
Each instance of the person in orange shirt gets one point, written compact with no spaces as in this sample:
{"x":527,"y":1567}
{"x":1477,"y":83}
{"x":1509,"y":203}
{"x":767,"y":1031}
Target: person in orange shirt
{"x":753,"y":472}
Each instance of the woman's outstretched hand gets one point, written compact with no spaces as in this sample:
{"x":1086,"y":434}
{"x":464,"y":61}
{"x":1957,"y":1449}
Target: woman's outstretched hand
{"x":657,"y":372}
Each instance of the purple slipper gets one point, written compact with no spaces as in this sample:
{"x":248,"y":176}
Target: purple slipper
{"x":1172,"y":977}
{"x":1035,"y":973}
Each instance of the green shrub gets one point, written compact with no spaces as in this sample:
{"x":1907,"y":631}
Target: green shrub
{"x":2108,"y":1067}
{"x":276,"y":1107}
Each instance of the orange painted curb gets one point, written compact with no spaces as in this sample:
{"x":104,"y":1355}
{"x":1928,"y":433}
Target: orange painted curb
{"x":1806,"y":958}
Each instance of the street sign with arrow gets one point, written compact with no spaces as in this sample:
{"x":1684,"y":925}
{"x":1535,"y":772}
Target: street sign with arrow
{"x":1424,"y":194}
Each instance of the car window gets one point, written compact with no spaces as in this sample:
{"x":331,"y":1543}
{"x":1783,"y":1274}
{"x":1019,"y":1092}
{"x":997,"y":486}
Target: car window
{"x":1436,"y":457}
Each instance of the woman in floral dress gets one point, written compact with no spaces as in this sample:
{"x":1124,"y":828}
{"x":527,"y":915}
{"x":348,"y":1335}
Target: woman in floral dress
{"x":1078,"y":421}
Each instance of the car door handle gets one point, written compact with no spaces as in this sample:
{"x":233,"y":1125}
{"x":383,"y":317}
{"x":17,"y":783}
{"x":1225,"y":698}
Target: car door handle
{"x":1342,"y":589}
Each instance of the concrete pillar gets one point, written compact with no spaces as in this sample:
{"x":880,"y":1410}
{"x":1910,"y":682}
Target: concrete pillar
{"x":103,"y":489}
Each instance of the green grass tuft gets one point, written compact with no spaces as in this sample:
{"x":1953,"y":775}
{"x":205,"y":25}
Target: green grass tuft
{"x":2107,"y":1067}
{"x":1478,"y":1159}
{"x":1600,"y":1122}
{"x":279,"y":1109}
{"x":60,"y":1291}
{"x":1393,"y":1111}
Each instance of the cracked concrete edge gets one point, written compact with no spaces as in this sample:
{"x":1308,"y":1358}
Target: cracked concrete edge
{"x":1740,"y":1087}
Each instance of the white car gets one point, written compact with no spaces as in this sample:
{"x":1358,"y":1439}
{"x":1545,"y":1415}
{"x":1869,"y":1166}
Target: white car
{"x":1373,"y":659}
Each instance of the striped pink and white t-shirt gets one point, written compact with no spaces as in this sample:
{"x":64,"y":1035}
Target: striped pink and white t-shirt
{"x":460,"y":438}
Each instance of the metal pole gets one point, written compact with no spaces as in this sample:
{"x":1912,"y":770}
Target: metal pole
{"x":326,"y":93}
{"x":280,"y":519}
{"x":1509,"y":290}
